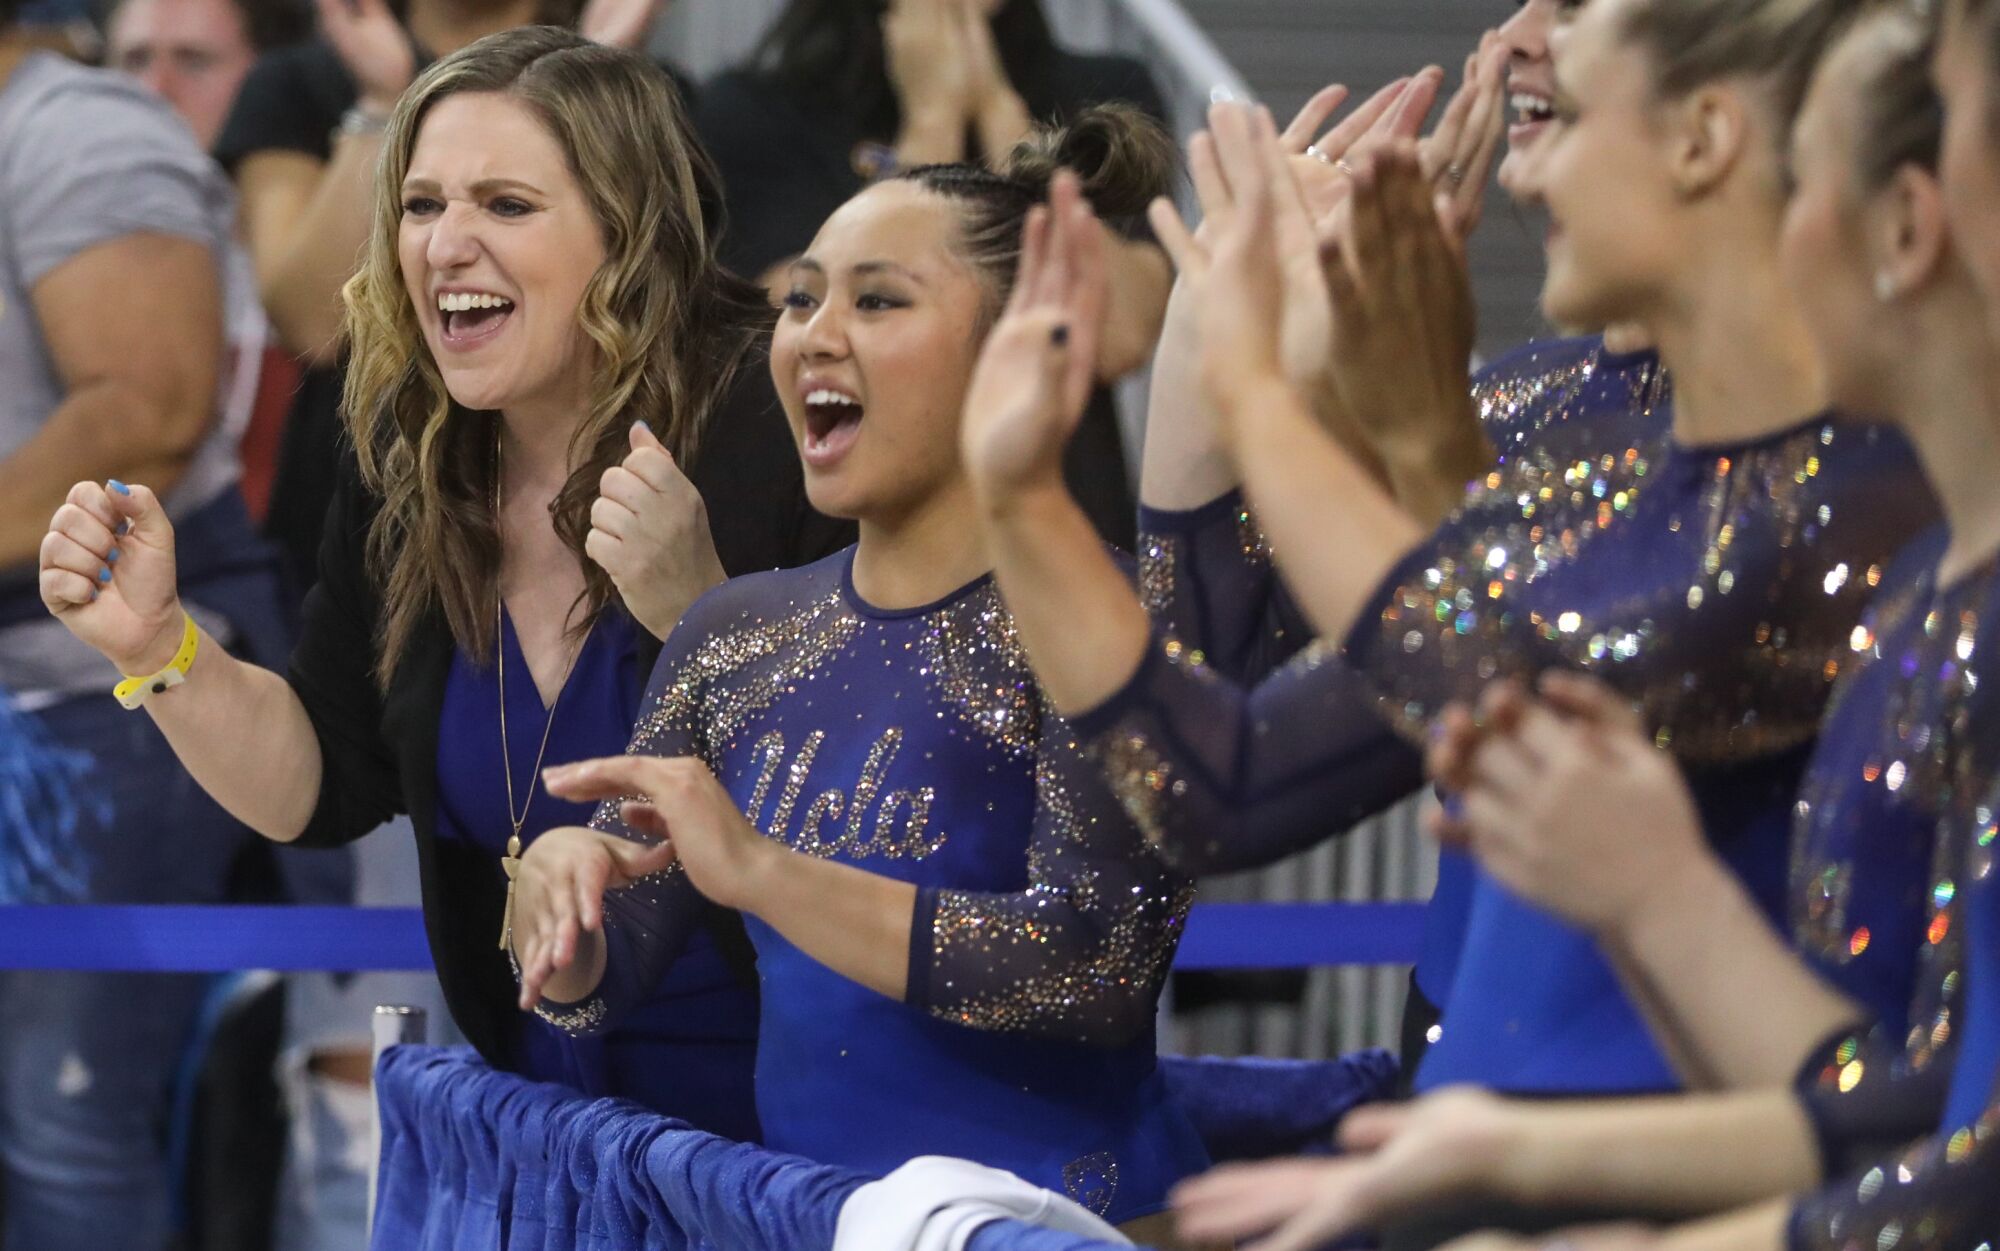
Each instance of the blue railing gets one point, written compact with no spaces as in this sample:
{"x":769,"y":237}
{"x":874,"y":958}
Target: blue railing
{"x":161,"y":939}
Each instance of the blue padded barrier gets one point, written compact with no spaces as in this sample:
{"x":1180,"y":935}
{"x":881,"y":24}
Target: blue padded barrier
{"x":472,"y":1158}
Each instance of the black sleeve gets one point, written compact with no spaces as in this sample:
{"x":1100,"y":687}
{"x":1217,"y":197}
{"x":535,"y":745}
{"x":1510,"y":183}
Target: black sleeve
{"x":289,"y":102}
{"x":778,"y":184}
{"x":332,"y":671}
{"x":749,"y":476}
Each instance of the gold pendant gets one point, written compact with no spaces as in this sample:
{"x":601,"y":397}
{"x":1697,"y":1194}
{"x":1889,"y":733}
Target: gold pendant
{"x":510,"y":864}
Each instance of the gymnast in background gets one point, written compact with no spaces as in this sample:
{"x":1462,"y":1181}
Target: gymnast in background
{"x":961,"y":935}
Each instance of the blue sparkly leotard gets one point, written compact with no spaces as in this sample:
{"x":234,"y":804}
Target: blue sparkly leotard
{"x":1301,"y":752}
{"x":1718,"y":585}
{"x":689,"y":1049}
{"x":1943,"y":1192}
{"x":917,"y":745}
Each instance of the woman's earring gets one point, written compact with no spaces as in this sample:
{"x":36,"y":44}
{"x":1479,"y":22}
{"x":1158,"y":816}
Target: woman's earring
{"x":1885,"y":286}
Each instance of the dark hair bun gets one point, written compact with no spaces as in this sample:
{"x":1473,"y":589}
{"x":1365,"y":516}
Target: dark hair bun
{"x":1123,"y":156}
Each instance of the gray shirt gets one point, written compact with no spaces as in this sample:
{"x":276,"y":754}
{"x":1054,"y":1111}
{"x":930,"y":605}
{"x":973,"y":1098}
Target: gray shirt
{"x":86,"y":157}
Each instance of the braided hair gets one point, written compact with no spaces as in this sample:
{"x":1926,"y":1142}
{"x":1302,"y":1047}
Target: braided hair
{"x":1122,"y":156}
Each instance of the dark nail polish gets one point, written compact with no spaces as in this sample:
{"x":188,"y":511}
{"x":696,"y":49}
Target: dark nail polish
{"x":118,"y":486}
{"x":124,"y":528}
{"x":1059,"y":336}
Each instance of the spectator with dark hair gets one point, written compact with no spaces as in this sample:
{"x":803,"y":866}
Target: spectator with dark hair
{"x":114,"y":227}
{"x":194,"y":54}
{"x":843,"y":92}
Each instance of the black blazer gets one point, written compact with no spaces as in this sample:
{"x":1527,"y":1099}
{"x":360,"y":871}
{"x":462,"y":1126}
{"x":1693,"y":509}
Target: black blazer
{"x":379,"y":752}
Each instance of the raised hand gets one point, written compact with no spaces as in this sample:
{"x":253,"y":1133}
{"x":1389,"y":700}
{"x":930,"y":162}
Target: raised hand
{"x":1549,"y":798}
{"x":373,"y":46}
{"x":619,"y":23}
{"x":1458,"y":155}
{"x":1265,"y":311}
{"x":1397,"y":1159}
{"x":1403,"y":312}
{"x":1036,"y":370}
{"x":649,"y":531}
{"x":107,"y":572}
{"x":930,"y":66}
{"x":559,"y":896}
{"x":1323,"y":166}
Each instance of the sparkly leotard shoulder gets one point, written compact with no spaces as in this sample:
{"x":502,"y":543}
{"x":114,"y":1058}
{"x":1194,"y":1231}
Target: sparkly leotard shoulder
{"x":917,"y":745}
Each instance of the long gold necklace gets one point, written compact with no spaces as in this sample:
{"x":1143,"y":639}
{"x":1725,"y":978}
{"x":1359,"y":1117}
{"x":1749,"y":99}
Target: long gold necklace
{"x":511,"y":862}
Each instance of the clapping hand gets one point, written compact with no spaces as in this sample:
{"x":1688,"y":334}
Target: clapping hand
{"x":1036,"y":370}
{"x":373,"y":46}
{"x":1403,"y":312}
{"x":619,"y":23}
{"x":1266,"y":314}
{"x":1548,"y":791}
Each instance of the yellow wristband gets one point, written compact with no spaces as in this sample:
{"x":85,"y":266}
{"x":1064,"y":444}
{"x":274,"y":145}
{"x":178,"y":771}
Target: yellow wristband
{"x":134,"y":692}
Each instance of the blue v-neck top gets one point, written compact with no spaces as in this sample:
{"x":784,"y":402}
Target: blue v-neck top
{"x":688,"y":1049}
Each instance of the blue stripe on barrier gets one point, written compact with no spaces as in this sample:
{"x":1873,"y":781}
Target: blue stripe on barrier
{"x":161,"y":939}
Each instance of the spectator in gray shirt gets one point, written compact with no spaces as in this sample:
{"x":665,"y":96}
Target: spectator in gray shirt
{"x":114,"y":227}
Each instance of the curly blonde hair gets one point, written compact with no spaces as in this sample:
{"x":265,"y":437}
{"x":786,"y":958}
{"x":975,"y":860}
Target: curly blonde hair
{"x":670,"y":328}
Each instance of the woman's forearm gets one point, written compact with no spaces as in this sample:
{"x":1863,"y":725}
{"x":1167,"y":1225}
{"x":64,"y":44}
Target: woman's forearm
{"x":852,"y":921}
{"x":242,"y":734}
{"x":1186,"y":462}
{"x":1083,"y":627}
{"x":1734,"y":1002}
{"x":1678,"y":1154}
{"x":1334,"y":531}
{"x":310,"y":255}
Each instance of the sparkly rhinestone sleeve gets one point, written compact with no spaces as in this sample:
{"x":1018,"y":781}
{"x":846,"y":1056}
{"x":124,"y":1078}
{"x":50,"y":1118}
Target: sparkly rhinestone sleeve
{"x":1943,"y":1194}
{"x":1082,"y":953}
{"x":1206,"y":578}
{"x":1221,"y":777}
{"x":647,"y":924}
{"x":1865,"y":1096}
{"x":1719,"y":591}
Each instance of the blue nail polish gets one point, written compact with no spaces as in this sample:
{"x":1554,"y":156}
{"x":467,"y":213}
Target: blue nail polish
{"x":118,"y":486}
{"x":113,"y":557}
{"x":104,"y":575}
{"x":124,"y":528}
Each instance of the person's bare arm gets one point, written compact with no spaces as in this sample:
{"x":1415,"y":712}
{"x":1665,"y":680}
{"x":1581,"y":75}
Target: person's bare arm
{"x":1666,"y":1156}
{"x":134,"y":326}
{"x":306,"y":221}
{"x":240,"y":730}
